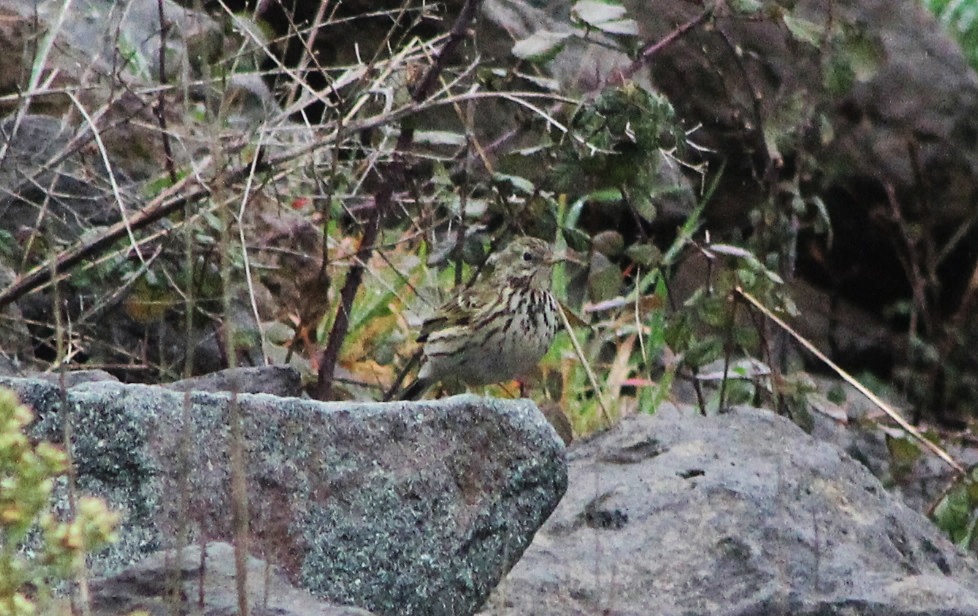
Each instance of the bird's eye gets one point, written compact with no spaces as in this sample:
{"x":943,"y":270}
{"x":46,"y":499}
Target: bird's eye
{"x":527,"y":256}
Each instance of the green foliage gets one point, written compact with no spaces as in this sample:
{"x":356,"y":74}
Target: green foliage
{"x":857,"y":55}
{"x":27,"y":476}
{"x":8,"y":244}
{"x":714,"y":307}
{"x":615,"y":143}
{"x":960,"y":17}
{"x":133,"y":58}
{"x":904,"y":454}
{"x":613,"y":156}
{"x":957,"y":512}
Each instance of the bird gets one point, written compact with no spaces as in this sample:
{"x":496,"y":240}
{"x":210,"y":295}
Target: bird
{"x":496,"y":329}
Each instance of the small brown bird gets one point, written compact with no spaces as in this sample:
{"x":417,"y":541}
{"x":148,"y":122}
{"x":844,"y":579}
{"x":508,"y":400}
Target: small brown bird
{"x":498,"y":328}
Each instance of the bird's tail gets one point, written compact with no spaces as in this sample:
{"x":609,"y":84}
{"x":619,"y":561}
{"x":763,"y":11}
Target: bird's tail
{"x":415,"y":390}
{"x":394,"y":393}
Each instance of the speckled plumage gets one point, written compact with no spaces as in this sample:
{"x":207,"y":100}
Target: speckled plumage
{"x":497,"y":329}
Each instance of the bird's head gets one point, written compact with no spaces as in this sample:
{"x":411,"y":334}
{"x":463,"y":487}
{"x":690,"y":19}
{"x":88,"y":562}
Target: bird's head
{"x":525,"y":259}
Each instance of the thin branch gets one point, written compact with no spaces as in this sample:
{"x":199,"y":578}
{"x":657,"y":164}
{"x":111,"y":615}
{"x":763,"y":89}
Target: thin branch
{"x":394,"y":180}
{"x":163,"y":205}
{"x":910,"y":258}
{"x":172,"y":201}
{"x":308,"y":48}
{"x":653,"y":48}
{"x":116,"y":192}
{"x":458,"y":33}
{"x":249,"y":277}
{"x":160,"y":109}
{"x":354,"y":278}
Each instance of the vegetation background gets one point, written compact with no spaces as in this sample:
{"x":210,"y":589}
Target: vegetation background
{"x":274,"y":190}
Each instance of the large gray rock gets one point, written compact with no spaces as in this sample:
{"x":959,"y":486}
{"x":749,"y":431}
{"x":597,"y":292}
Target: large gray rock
{"x":742,"y":514}
{"x":400,"y":509}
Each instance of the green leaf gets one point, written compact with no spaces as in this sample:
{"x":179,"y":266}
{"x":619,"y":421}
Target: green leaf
{"x":651,"y":397}
{"x":953,"y":513}
{"x":576,"y":239}
{"x":747,"y":277}
{"x":745,"y":337}
{"x":739,"y":392}
{"x":865,"y":55}
{"x":519,"y":184}
{"x":745,"y":6}
{"x":644,"y":206}
{"x":621,"y":27}
{"x":604,"y":16}
{"x":610,"y":243}
{"x":804,"y":30}
{"x":439,"y":137}
{"x":703,"y":351}
{"x":904,"y":453}
{"x":839,"y":75}
{"x":604,"y":278}
{"x":646,"y":255}
{"x":594,"y":13}
{"x":773,"y":276}
{"x":605,"y":195}
{"x":836,"y":394}
{"x":541,"y":46}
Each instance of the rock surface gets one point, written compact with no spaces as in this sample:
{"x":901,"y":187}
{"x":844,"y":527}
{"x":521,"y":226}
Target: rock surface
{"x":401,"y":510}
{"x":741,"y":513}
{"x":151,"y":586}
{"x":283,"y":381}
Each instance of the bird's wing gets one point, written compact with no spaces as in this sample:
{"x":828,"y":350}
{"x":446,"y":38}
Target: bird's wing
{"x":459,"y":311}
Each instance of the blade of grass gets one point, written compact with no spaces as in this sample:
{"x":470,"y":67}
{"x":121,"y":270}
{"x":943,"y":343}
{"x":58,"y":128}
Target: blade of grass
{"x":886,"y":408}
{"x":587,"y":365}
